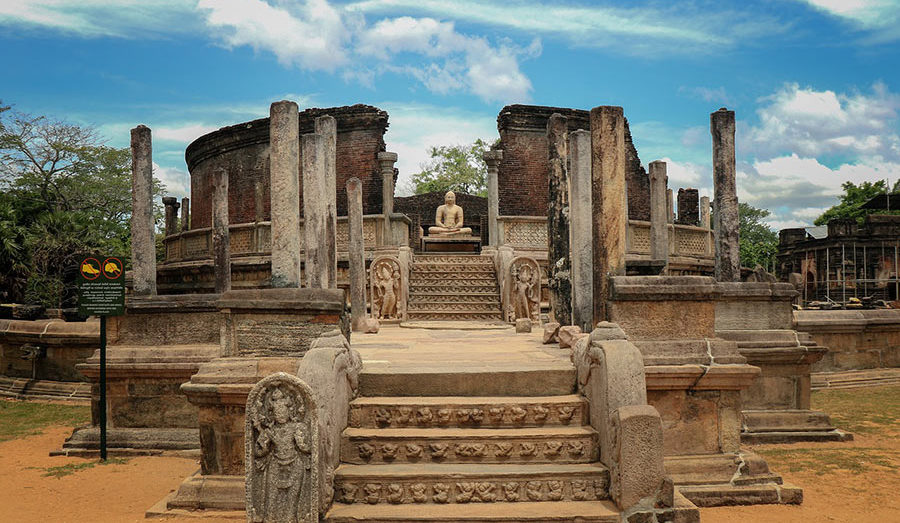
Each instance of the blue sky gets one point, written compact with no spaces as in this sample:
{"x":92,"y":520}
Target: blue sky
{"x":815,"y":83}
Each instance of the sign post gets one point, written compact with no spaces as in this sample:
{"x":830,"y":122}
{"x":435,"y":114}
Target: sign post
{"x":101,"y":292}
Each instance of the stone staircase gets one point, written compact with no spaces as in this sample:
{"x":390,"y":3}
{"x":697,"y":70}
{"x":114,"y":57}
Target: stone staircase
{"x":453,"y":287}
{"x":470,"y":458}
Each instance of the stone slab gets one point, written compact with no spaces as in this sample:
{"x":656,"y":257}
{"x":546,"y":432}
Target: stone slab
{"x":579,"y":511}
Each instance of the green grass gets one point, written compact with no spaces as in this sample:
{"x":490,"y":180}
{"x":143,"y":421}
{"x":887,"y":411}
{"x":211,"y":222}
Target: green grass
{"x":71,"y":468}
{"x":25,"y":418}
{"x":821,"y":461}
{"x":864,"y":410}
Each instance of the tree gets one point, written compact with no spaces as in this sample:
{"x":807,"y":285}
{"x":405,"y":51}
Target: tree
{"x":852,"y":200}
{"x":63,"y":194}
{"x":759,"y":243}
{"x":459,"y":168}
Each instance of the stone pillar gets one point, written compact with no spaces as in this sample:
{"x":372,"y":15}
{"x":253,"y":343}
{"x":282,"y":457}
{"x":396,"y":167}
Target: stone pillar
{"x":171,"y":205}
{"x":386,"y":161}
{"x":688,"y":207}
{"x":727,"y":223}
{"x":659,"y":227}
{"x":259,"y":201}
{"x":143,"y":242}
{"x":284,"y":187}
{"x":185,"y":214}
{"x":221,"y":239}
{"x":670,"y":206}
{"x":610,"y":208}
{"x":559,"y":280}
{"x":318,"y":213}
{"x":492,"y":159}
{"x":356,"y":251}
{"x":326,"y":126}
{"x":580,"y":230}
{"x":704,"y":212}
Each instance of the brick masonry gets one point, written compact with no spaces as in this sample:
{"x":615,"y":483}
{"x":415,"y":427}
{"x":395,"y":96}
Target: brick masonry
{"x":243,"y":150}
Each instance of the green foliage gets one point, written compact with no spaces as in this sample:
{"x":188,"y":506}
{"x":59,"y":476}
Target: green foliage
{"x":26,"y":418}
{"x":63,"y":194}
{"x":759,"y":243}
{"x":851,"y":201}
{"x":458,"y":168}
{"x":68,"y":469}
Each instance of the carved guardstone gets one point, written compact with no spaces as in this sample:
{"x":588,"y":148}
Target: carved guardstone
{"x":385,"y":278}
{"x":524,"y":300}
{"x":282,"y":451}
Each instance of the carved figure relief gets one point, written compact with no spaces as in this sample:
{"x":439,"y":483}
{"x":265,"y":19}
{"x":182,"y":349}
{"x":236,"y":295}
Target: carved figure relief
{"x":385,"y":282}
{"x":282,"y":442}
{"x":524,"y":300}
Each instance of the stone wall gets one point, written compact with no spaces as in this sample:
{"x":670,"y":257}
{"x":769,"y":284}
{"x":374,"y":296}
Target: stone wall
{"x":860,"y":339}
{"x":60,"y":346}
{"x":243,"y":150}
{"x":522,"y":174}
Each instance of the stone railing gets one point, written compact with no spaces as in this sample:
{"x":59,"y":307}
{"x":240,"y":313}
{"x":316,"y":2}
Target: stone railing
{"x":524,"y":233}
{"x":255,"y":239}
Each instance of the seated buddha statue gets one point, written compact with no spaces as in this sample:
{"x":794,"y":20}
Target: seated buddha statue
{"x":449,"y":219}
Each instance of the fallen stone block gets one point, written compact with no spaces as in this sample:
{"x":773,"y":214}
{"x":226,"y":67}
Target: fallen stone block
{"x":568,"y":335}
{"x":523,"y":325}
{"x":371,"y":326}
{"x":551,"y":332}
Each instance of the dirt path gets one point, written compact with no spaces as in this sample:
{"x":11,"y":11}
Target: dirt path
{"x":108,"y":493}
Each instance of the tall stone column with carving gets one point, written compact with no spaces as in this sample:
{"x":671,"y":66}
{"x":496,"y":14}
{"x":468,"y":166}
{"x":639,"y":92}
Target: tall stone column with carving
{"x":581,"y":242}
{"x":326,"y":126}
{"x":221,"y":240}
{"x":356,"y":254}
{"x":727,"y":223}
{"x":492,"y":159}
{"x":610,"y":205}
{"x":559,"y":281}
{"x":143,"y":243}
{"x":704,"y":212}
{"x":284,"y":171}
{"x":386,"y":160}
{"x":318,"y":215}
{"x":659,"y":227}
{"x":670,"y":206}
{"x":171,"y":209}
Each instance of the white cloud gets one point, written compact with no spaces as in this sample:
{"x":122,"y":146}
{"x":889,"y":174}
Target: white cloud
{"x":879,"y":16}
{"x":813,"y":123}
{"x":177,"y":182}
{"x":416,"y":127}
{"x":312,"y":35}
{"x":185,"y":133}
{"x":708,"y":94}
{"x":93,"y":18}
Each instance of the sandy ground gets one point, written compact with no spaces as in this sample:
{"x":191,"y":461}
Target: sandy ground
{"x":122,"y":492}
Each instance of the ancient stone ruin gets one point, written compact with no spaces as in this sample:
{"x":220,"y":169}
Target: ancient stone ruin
{"x":253,"y":343}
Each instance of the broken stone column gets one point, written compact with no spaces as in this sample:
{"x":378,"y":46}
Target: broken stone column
{"x":688,"y":207}
{"x":318,"y":214}
{"x":610,"y":205}
{"x":492,"y":159}
{"x":704,"y":212}
{"x":659,"y":227}
{"x":356,"y":248}
{"x":284,"y":186}
{"x":171,"y":209}
{"x":221,"y":240}
{"x":727,"y":223}
{"x":670,"y":207}
{"x":559,"y":281}
{"x":326,"y":126}
{"x":580,"y":230}
{"x":386,"y":161}
{"x":185,"y":214}
{"x":143,"y":243}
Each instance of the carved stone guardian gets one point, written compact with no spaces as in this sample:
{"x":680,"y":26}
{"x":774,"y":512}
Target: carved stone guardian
{"x":385,"y":277}
{"x":282,"y":451}
{"x":524,"y":299}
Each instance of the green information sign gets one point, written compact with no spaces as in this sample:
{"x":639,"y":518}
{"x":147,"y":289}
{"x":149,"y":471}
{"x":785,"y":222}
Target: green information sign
{"x":101,"y":286}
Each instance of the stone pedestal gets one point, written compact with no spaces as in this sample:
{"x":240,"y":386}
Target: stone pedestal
{"x":695,"y":379}
{"x":155,"y":347}
{"x":776,"y":408}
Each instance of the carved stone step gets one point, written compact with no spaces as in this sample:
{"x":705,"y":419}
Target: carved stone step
{"x":506,"y":512}
{"x":467,"y":411}
{"x":470,"y":483}
{"x":522,"y":445}
{"x":454,"y":315}
{"x":451,"y":288}
{"x":474,"y":379}
{"x":452,"y":267}
{"x":492,"y":298}
{"x":477,"y":279}
{"x":454,"y":307}
{"x":453,"y":258}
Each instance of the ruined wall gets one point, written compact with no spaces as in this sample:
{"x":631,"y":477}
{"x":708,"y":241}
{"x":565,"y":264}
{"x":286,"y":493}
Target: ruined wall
{"x":243,"y":150}
{"x":522,"y":174}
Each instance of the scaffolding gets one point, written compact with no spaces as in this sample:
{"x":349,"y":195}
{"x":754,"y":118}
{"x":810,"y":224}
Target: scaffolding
{"x":845,"y":273}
